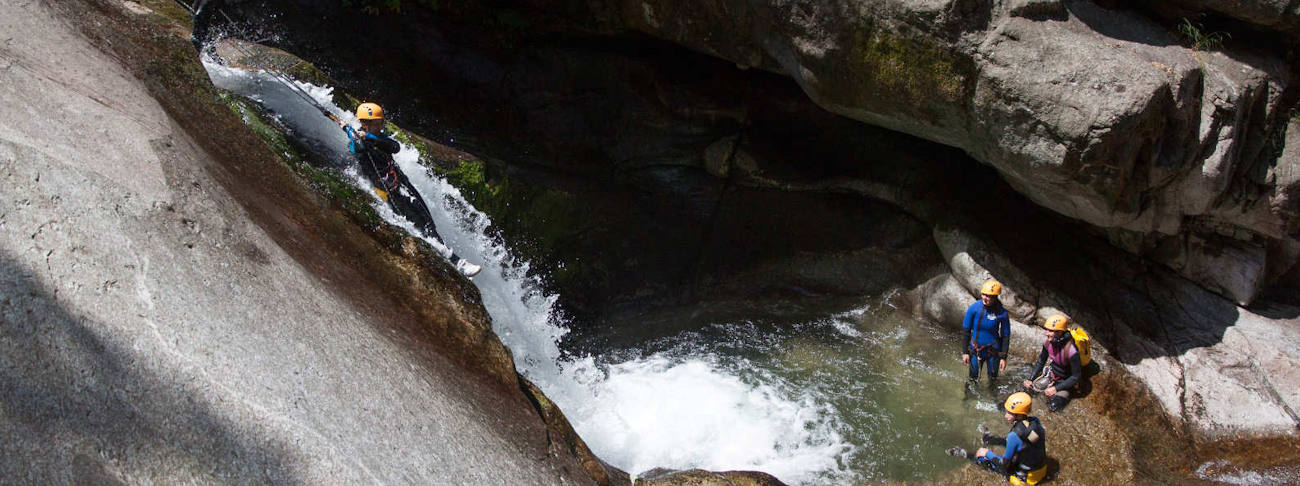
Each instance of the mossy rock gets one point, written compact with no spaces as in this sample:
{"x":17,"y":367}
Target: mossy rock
{"x":326,"y":182}
{"x":909,"y":74}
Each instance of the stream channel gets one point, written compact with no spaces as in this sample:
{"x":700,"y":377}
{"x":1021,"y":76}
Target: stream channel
{"x":832,"y":391}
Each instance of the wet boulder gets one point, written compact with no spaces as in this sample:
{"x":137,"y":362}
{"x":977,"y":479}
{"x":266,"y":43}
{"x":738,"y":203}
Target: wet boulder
{"x":1221,"y":370}
{"x":941,"y":299}
{"x":969,"y":260}
{"x":700,"y":477}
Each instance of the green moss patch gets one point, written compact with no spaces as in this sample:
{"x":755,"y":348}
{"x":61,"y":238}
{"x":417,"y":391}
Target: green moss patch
{"x":537,"y":222}
{"x":172,"y":11}
{"x":908,"y":73}
{"x":328,"y":183}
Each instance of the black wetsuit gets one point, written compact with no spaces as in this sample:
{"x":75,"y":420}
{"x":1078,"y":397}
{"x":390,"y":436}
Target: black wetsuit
{"x":1059,"y":366}
{"x":1025,"y":450}
{"x":375,"y":155}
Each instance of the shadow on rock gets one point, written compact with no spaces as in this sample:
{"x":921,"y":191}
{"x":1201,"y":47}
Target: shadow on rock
{"x":85,"y":403}
{"x":1058,"y":263}
{"x":1119,"y":24}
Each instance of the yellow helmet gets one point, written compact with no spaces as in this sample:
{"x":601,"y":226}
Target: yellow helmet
{"x":991,"y":287}
{"x":1018,"y":403}
{"x":369,"y":111}
{"x":1056,"y":322}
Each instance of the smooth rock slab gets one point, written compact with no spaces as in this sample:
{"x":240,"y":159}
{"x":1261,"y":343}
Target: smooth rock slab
{"x":153,"y":334}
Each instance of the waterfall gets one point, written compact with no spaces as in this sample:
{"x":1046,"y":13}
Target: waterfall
{"x":686,"y":407}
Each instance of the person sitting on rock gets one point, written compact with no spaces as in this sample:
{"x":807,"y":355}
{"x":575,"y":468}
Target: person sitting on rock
{"x":1024,"y":460}
{"x":374,"y":151}
{"x":987,"y":330}
{"x":1059,"y":367}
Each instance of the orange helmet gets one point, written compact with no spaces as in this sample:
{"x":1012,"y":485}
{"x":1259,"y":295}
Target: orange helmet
{"x":991,"y":287}
{"x":1018,"y":403}
{"x":1056,"y":323}
{"x":369,"y":111}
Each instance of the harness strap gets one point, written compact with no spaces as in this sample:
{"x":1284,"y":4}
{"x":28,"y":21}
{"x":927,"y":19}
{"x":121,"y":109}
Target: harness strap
{"x":975,"y":329}
{"x":390,"y":179}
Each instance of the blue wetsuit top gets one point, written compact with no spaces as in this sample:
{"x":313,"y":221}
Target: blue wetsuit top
{"x":992,"y":325}
{"x":380,"y":141}
{"x":1021,"y":455}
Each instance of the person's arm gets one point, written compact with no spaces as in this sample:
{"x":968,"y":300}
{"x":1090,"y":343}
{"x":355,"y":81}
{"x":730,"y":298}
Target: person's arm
{"x":1076,"y":372}
{"x":1004,"y":336}
{"x":968,"y":325}
{"x":355,"y":145}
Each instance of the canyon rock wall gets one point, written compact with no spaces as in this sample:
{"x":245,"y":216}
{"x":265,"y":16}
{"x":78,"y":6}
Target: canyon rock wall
{"x":1107,"y":116}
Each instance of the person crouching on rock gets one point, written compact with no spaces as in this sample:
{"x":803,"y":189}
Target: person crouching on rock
{"x":1024,"y":460}
{"x":987,"y":330}
{"x":1059,"y":366}
{"x":374,"y":151}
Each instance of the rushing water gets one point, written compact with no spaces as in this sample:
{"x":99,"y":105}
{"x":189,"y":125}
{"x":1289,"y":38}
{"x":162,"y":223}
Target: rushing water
{"x":839,"y":392}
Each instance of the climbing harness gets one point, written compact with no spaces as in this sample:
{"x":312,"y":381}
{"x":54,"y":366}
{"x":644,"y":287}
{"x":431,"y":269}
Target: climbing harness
{"x":975,"y":348}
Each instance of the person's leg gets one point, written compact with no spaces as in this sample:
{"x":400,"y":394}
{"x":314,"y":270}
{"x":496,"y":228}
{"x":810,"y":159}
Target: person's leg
{"x":418,"y":212}
{"x":974,"y":365}
{"x":994,"y":465}
{"x":991,"y":360}
{"x":407,"y":202}
{"x":1059,"y":400}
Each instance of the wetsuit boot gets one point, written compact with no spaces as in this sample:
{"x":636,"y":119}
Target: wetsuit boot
{"x":1056,"y":403}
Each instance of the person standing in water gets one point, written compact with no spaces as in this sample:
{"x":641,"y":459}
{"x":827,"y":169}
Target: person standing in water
{"x":1024,"y":461}
{"x":1059,"y":367}
{"x":987,"y":330}
{"x":374,"y":151}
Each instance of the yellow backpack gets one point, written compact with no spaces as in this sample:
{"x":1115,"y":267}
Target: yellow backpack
{"x":1083,"y":343}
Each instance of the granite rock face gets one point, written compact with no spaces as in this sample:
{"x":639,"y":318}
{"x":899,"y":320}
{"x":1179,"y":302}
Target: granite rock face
{"x":1274,"y":15}
{"x":155,"y":330}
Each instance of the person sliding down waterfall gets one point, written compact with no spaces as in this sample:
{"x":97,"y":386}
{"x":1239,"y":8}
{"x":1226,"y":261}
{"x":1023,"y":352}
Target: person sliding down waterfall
{"x":1025,"y":458}
{"x":987,"y":330}
{"x":374,"y":151}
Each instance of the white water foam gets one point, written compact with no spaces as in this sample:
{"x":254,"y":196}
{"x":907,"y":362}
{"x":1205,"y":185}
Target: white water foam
{"x":676,"y":412}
